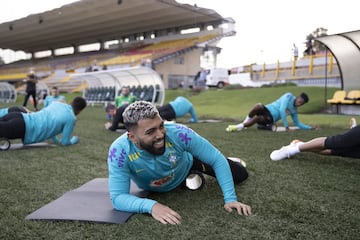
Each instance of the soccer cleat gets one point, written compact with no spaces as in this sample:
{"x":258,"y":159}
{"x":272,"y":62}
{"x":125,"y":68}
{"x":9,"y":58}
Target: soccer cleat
{"x":232,"y":128}
{"x":280,"y":154}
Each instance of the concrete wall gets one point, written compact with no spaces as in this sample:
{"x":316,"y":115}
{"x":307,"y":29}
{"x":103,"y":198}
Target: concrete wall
{"x":169,"y":70}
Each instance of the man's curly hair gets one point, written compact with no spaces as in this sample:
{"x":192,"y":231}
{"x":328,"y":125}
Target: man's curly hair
{"x":137,"y":111}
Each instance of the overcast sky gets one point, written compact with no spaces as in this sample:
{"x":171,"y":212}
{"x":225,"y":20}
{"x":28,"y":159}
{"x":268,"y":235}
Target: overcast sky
{"x":266,"y":29}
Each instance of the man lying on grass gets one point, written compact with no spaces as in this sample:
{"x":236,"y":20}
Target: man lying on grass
{"x":177,"y":108}
{"x":58,"y":118}
{"x":158,"y":157}
{"x":346,"y":144}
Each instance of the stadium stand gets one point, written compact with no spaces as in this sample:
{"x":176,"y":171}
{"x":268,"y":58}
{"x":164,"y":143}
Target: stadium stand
{"x":61,"y":68}
{"x":137,"y":42}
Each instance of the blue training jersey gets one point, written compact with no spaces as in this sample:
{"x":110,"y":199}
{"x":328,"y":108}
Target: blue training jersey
{"x":4,"y":111}
{"x":57,"y":118}
{"x":51,"y":99}
{"x":162,"y":173}
{"x":182,"y":106}
{"x":284,"y":106}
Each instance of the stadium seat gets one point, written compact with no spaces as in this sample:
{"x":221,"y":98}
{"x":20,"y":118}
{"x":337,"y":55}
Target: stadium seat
{"x":132,"y":90}
{"x":337,"y":97}
{"x":351,"y":97}
{"x":149,"y":93}
{"x":112,"y":93}
{"x":137,"y":92}
{"x":108,"y":94}
{"x":90,"y":95}
{"x":143,"y":92}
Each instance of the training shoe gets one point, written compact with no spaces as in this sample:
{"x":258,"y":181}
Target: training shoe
{"x":4,"y":144}
{"x":280,"y":154}
{"x":352,"y":123}
{"x":232,"y":128}
{"x":239,"y":160}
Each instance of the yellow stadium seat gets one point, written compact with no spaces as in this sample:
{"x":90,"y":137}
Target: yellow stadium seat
{"x":351,"y":97}
{"x":337,"y":97}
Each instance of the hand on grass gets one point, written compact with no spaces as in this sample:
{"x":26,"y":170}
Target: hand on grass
{"x":241,"y":208}
{"x":165,"y":215}
{"x":315,"y":127}
{"x":107,"y":125}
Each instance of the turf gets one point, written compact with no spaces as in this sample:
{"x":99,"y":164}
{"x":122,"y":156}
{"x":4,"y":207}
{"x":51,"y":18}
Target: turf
{"x":306,"y":197}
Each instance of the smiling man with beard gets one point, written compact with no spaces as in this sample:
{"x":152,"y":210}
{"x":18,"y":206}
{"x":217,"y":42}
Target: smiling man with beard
{"x":158,"y":157}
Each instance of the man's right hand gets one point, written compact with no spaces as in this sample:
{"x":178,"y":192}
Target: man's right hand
{"x":107,"y":125}
{"x":165,"y":215}
{"x":315,"y":127}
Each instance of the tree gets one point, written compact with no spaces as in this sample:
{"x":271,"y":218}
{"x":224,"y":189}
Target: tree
{"x":312,"y":46}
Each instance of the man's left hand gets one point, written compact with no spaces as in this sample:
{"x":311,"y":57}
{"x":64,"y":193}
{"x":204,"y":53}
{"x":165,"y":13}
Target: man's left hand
{"x":241,"y":208}
{"x":107,"y":125}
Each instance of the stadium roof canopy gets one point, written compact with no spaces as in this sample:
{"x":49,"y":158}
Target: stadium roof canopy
{"x":89,"y":21}
{"x":346,"y":49}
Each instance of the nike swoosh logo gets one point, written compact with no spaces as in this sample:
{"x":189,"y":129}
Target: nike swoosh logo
{"x":139,"y":170}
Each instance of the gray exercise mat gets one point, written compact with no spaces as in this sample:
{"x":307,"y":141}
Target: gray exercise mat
{"x":90,"y":202}
{"x":15,"y":146}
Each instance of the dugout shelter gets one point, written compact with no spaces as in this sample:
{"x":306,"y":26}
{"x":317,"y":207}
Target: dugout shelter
{"x":7,"y":92}
{"x":346,"y":49}
{"x":103,"y":86}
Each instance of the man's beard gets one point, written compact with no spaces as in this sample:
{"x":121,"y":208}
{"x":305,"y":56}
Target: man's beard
{"x":151,"y":149}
